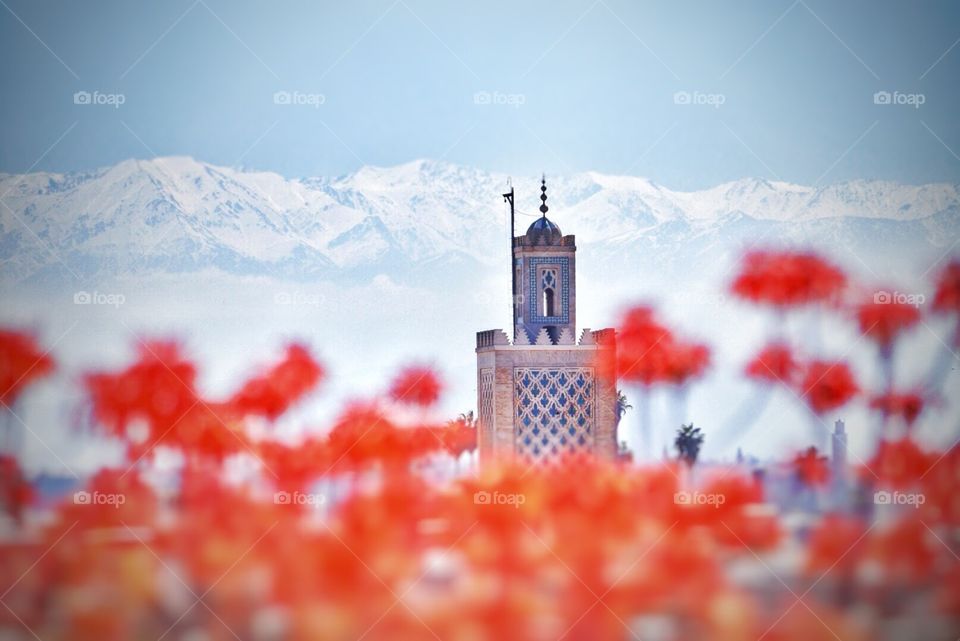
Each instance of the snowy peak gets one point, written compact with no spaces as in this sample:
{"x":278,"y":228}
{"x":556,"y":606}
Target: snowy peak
{"x":180,"y":214}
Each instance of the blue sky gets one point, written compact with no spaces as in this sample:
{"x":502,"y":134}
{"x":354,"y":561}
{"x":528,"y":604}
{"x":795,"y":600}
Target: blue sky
{"x":689,"y":94}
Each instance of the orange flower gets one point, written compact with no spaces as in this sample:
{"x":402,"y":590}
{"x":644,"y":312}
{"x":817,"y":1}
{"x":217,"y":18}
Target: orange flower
{"x":786,"y":278}
{"x":416,"y":385}
{"x":271,"y":394}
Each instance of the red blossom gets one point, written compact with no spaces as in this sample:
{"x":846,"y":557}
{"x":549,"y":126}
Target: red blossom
{"x":836,"y":544}
{"x":947,"y":297}
{"x":158,"y":388}
{"x":884,"y":322}
{"x":774,"y":364}
{"x":826,"y":386}
{"x":416,"y":385}
{"x":647,"y":352}
{"x":787,"y":278}
{"x":272,"y":393}
{"x":906,"y":406}
{"x":899,"y":464}
{"x":811,"y":468}
{"x":906,"y":552}
{"x":21,"y":363}
{"x":155,"y":402}
{"x":15,"y":491}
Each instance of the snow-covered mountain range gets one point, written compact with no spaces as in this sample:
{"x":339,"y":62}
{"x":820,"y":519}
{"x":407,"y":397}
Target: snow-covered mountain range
{"x":179,"y":215}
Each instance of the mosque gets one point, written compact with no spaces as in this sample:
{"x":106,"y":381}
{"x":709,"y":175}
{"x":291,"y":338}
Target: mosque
{"x":539,"y":398}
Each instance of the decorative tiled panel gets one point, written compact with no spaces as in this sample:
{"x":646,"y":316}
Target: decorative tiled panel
{"x":554,"y":412}
{"x":485,"y":406}
{"x":563,"y":304}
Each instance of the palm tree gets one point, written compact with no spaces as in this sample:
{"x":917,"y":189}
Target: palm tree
{"x":622,"y":405}
{"x":688,"y":442}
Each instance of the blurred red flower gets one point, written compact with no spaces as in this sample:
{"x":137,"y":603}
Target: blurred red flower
{"x":811,"y":468}
{"x":158,"y":388}
{"x":272,"y":393}
{"x":906,"y":551}
{"x":836,"y":544}
{"x":647,"y":352}
{"x":827,"y":385}
{"x":15,"y":491}
{"x":947,"y":297}
{"x":907,"y":406}
{"x":899,"y":464}
{"x":787,"y":278}
{"x":774,"y":364}
{"x":883,"y":322}
{"x":416,"y":385}
{"x":21,"y":363}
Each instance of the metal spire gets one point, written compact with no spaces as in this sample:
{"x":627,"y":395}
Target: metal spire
{"x":543,"y":195}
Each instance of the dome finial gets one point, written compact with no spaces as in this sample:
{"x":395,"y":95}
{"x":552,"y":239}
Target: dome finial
{"x":543,"y":195}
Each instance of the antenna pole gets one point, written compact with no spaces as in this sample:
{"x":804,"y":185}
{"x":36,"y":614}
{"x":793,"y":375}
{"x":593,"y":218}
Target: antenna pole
{"x":508,"y":197}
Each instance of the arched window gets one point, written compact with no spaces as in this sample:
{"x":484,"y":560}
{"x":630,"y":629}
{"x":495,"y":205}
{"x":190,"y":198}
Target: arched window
{"x":548,"y":301}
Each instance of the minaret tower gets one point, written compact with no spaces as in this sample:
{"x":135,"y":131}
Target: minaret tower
{"x":544,"y":263}
{"x":540,"y":399}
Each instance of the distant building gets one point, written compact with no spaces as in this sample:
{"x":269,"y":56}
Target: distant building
{"x":539,"y":398}
{"x":838,"y":459}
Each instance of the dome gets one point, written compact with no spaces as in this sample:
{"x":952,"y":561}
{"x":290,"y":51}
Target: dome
{"x":544,"y":231}
{"x":543,"y":225}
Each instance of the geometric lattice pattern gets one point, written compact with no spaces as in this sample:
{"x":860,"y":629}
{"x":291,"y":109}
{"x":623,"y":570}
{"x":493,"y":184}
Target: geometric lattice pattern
{"x":554,"y":412}
{"x":485,"y":405}
{"x":561,"y":307}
